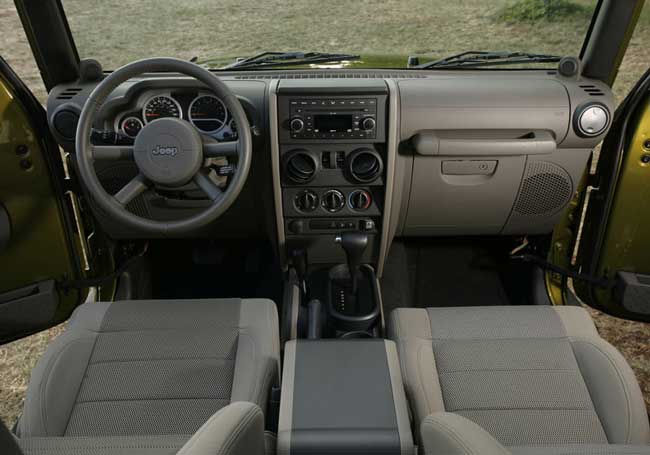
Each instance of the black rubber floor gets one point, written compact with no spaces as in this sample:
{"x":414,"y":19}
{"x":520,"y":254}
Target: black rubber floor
{"x":216,"y":270}
{"x":444,"y":273}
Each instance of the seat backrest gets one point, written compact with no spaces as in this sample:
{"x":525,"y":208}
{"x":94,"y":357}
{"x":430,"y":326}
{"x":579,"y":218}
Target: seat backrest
{"x":527,"y":375}
{"x":152,"y":367}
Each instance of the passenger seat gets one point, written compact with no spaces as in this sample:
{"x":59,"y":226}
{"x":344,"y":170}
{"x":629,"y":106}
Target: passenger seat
{"x":521,"y":380}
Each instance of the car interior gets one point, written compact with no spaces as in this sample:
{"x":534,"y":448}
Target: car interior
{"x":317,"y":260}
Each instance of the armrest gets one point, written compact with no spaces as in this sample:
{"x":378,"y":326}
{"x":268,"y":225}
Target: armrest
{"x":451,"y":434}
{"x":237,"y":429}
{"x":343,"y":396}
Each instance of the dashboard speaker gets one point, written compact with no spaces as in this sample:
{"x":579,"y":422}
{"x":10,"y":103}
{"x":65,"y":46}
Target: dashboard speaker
{"x":114,"y":177}
{"x":546,"y":189}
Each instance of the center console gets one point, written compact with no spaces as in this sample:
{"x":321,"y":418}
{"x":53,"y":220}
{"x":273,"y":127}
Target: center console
{"x":332,"y":163}
{"x":332,"y":157}
{"x":343,"y":397}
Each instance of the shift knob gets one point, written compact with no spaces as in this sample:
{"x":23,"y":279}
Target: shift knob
{"x":354,"y":244}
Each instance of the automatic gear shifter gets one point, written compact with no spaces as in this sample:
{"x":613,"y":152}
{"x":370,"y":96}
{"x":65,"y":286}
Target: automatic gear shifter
{"x":354,"y":244}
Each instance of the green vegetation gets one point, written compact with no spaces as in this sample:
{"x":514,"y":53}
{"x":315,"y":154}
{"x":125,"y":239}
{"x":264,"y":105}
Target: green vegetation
{"x":549,"y":10}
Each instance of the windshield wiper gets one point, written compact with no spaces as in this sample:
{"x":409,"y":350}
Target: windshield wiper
{"x":272,"y":59}
{"x":484,"y":58}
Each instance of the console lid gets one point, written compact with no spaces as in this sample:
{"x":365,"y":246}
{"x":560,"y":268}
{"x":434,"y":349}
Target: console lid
{"x":343,"y":396}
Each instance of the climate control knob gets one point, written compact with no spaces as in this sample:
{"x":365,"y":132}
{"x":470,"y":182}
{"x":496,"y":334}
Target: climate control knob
{"x":333,"y":200}
{"x":360,"y":200}
{"x":297,"y":124}
{"x":368,"y":124}
{"x":306,"y":201}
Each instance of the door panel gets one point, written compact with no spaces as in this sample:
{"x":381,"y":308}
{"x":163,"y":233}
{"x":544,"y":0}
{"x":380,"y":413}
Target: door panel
{"x":37,"y":236}
{"x":615,"y":244}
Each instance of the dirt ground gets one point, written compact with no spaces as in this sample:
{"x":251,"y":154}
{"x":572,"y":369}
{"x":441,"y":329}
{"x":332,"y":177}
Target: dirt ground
{"x":400,"y":33}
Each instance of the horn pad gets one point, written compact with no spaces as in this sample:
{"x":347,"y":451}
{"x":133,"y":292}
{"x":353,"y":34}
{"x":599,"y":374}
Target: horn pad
{"x":168,"y":151}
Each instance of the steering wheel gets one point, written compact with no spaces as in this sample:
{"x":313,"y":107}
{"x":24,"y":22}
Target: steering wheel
{"x":167,"y":151}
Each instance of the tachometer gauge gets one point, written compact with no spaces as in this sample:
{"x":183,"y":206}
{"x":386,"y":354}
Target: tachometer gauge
{"x":160,"y":106}
{"x":208,"y":113}
{"x":131,"y":126}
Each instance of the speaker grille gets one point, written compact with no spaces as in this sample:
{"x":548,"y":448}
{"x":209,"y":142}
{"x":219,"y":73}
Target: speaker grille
{"x":546,"y":189}
{"x":114,"y":177}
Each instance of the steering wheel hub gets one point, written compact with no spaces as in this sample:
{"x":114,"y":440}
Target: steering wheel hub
{"x":168,"y":151}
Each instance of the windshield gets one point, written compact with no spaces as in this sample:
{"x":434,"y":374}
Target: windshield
{"x":384,"y":33}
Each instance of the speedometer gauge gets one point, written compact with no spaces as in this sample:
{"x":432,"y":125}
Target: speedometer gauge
{"x":208,"y":113}
{"x":160,"y":106}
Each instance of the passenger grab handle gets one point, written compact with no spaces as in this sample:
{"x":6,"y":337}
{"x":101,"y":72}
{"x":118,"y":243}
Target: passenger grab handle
{"x":443,"y":144}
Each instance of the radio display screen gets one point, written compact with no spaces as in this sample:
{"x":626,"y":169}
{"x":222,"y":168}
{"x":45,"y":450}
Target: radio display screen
{"x":333,"y":123}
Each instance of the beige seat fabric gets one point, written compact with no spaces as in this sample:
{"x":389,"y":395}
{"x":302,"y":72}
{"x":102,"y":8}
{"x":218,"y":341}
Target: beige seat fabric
{"x":237,"y":429}
{"x":528,"y":376}
{"x":144,"y":368}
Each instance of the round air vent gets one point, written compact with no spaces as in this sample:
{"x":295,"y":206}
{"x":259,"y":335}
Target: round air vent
{"x":300,"y":166}
{"x":365,"y":165}
{"x":591,"y":119}
{"x":65,"y":123}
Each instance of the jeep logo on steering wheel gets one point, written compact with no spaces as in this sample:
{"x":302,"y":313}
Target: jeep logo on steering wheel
{"x":160,"y":150}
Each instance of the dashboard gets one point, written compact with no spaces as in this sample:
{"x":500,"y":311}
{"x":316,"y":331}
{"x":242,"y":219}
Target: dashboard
{"x":399,"y":153}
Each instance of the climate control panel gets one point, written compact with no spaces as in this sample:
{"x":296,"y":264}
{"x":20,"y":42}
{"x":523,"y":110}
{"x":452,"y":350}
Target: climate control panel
{"x":325,"y":202}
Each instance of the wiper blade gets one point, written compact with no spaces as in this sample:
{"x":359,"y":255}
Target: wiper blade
{"x":272,"y":59}
{"x":485,"y":58}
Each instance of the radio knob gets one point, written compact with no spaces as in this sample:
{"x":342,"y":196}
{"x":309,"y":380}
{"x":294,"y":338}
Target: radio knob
{"x":368,"y":124}
{"x":297,"y":125}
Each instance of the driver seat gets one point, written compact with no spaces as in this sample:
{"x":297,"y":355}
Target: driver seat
{"x":152,"y":372}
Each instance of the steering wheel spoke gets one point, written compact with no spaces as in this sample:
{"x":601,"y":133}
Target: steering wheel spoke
{"x":219,"y":149}
{"x":131,"y":190}
{"x":210,"y":188}
{"x":112,"y":152}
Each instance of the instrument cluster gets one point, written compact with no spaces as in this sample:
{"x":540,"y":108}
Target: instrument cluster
{"x":206,"y":112}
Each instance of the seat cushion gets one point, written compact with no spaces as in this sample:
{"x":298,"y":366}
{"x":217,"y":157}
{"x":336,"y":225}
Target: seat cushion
{"x":152,"y":367}
{"x":104,"y":445}
{"x":237,"y":429}
{"x":451,"y":434}
{"x":527,"y":375}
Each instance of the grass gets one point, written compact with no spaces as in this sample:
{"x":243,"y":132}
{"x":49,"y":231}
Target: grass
{"x":543,"y":10}
{"x":109,"y":32}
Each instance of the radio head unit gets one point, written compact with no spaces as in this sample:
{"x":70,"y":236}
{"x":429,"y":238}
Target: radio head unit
{"x":355,"y":118}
